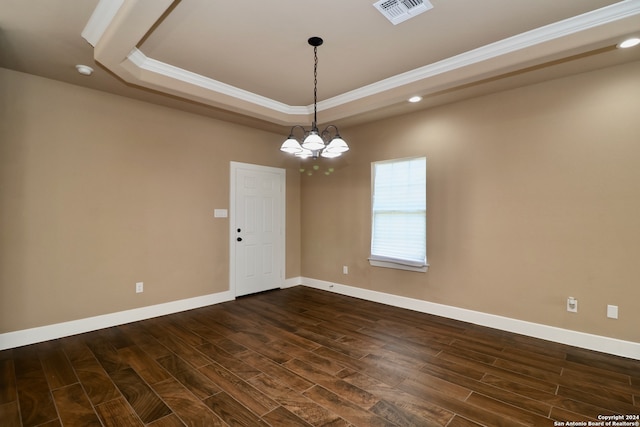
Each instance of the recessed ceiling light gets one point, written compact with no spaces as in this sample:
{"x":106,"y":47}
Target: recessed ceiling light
{"x":415,"y":99}
{"x":629,"y":43}
{"x":85,"y":70}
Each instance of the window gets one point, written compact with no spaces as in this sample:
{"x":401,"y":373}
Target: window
{"x":399,"y":214}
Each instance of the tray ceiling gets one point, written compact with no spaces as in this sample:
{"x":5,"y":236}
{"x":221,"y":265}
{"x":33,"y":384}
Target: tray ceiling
{"x":250,"y":61}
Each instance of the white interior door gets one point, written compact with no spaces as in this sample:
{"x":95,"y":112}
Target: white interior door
{"x":257,"y":228}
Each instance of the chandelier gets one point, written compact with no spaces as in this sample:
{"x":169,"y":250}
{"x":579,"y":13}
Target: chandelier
{"x":313,"y":143}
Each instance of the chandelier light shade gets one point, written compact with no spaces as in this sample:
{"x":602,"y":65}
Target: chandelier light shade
{"x":314,"y":143}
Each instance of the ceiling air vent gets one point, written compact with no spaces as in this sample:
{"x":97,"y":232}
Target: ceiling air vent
{"x":398,"y":11}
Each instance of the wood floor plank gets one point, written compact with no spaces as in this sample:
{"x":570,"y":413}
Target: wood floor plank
{"x":508,"y":410}
{"x":347,"y":410}
{"x":139,"y":395}
{"x":187,"y":353}
{"x":259,"y":343}
{"x":240,"y":390}
{"x":611,"y":405}
{"x":115,"y":337}
{"x":606,"y":362}
{"x":591,"y":379}
{"x":509,"y":395}
{"x":275,"y":370}
{"x":143,"y":364}
{"x":296,"y":403}
{"x":343,"y":389}
{"x":228,"y":361}
{"x":471,"y":412}
{"x":168,"y":421}
{"x":422,"y":408}
{"x":106,"y":354}
{"x":397,"y":415}
{"x":459,"y":421}
{"x":10,"y":414}
{"x":327,"y":365}
{"x":192,"y":379}
{"x":95,"y":380}
{"x":622,"y":394}
{"x":191,"y":410}
{"x":34,"y":397}
{"x":542,"y":384}
{"x":117,"y":413}
{"x":303,"y":356}
{"x":74,"y":407}
{"x":282,"y":417}
{"x":202,"y":330}
{"x":8,"y":391}
{"x":138,"y":333}
{"x":56,"y":366}
{"x":231,"y":411}
{"x":176,"y":327}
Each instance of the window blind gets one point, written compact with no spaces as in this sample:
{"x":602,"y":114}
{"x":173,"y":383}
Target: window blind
{"x":399,"y":206}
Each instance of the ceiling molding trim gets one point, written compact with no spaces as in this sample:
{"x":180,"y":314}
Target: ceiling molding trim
{"x":100,"y":19}
{"x":570,"y":26}
{"x":139,"y":59}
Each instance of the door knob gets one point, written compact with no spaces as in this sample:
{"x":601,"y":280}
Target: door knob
{"x":239,"y":239}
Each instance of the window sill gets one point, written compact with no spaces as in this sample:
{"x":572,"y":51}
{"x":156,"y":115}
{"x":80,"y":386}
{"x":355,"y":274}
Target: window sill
{"x":388,"y":264}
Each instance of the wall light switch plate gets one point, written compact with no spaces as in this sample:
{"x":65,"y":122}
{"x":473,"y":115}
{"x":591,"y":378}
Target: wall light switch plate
{"x":220,"y":213}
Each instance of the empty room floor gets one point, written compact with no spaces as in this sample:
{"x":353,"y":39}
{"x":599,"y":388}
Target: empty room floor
{"x":302,"y":356}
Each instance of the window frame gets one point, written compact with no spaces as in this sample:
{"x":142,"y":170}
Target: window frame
{"x":389,"y":262}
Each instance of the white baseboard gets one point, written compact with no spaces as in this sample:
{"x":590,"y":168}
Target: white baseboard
{"x":578,"y":339}
{"x":59,"y":330}
{"x":550,"y":333}
{"x":291,"y":282}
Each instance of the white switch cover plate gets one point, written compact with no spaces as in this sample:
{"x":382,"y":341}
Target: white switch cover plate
{"x":220,"y":213}
{"x":612,"y":311}
{"x":139,"y":287}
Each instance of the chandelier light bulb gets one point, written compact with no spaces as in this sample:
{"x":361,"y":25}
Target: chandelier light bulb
{"x":337,"y":145}
{"x":291,"y":145}
{"x":313,"y":141}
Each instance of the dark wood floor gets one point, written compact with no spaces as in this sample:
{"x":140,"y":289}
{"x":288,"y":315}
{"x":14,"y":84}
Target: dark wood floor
{"x":305,"y":357}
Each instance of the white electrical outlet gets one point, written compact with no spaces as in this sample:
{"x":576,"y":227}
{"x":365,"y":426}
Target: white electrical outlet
{"x":345,"y":269}
{"x":139,"y":287}
{"x":612,"y":311}
{"x":572,"y":305}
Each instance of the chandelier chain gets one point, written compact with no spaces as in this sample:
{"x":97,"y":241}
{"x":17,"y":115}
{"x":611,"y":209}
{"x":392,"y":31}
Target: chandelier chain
{"x":315,"y":85}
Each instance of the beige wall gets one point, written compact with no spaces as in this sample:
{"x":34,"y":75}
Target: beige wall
{"x":98,"y":192}
{"x":533,"y":195}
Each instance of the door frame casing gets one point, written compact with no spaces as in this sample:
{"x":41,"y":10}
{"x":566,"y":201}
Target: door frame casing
{"x":234,"y":166}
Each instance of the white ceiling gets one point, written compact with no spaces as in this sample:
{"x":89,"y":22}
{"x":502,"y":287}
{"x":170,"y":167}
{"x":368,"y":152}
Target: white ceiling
{"x":249,"y":61}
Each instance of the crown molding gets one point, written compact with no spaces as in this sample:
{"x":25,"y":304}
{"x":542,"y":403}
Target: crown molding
{"x":140,"y":60}
{"x":100,"y":19}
